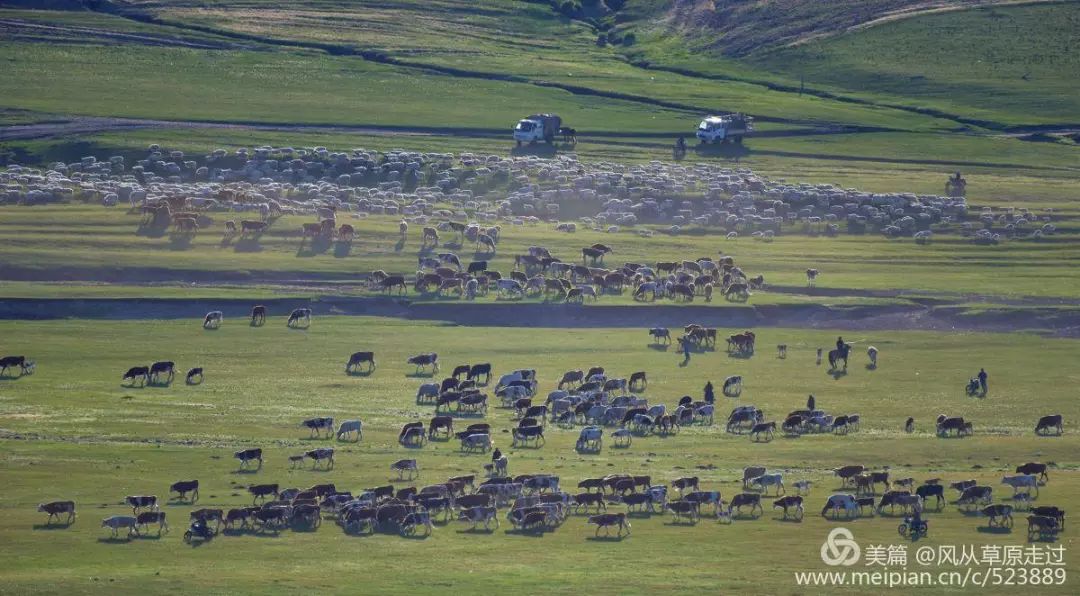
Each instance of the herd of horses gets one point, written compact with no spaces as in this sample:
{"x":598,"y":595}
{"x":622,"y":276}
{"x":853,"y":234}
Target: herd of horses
{"x":160,"y":373}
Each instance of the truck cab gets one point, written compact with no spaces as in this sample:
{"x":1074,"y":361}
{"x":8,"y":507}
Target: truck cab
{"x":719,"y":129}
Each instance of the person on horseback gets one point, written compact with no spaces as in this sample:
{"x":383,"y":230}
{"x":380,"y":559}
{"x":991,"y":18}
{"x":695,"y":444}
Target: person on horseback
{"x":840,"y":344}
{"x":496,"y":455}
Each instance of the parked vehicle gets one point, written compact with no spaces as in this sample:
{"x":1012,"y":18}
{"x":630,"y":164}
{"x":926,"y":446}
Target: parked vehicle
{"x":719,"y":129}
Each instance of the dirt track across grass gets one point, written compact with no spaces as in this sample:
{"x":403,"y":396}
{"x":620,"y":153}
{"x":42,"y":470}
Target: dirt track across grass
{"x":1049,"y":321}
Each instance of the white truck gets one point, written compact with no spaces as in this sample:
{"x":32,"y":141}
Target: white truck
{"x":718,"y":129}
{"x":536,"y":128}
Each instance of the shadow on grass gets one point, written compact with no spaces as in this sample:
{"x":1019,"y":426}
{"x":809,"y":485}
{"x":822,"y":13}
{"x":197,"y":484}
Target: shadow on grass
{"x":49,"y":527}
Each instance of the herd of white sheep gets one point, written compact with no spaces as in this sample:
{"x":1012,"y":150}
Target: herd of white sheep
{"x":525,"y":189}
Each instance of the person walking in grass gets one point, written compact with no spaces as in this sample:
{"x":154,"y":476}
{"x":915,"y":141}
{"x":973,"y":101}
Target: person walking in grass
{"x":710,"y":395}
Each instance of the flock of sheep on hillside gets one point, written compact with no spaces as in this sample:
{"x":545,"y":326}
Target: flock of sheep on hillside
{"x":426,"y":188}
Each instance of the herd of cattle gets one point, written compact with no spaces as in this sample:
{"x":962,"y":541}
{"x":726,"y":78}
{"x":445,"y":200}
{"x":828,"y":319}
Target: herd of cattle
{"x":538,"y":502}
{"x":422,"y":186}
{"x":537,"y":273}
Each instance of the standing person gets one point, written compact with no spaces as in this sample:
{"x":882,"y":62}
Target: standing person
{"x":710,"y":396}
{"x":982,"y":380}
{"x":684,"y":345}
{"x":810,"y":403}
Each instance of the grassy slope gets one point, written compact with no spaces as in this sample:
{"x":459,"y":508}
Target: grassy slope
{"x":89,"y":237}
{"x":258,"y":388}
{"x":1002,"y":63}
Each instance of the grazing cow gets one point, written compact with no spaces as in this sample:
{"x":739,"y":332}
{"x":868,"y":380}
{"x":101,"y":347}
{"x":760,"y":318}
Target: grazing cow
{"x":317,"y":425}
{"x":192,"y":374}
{"x":359,"y":358}
{"x":248,"y":455}
{"x":974,"y":495}
{"x":781,"y":351}
{"x":271,"y":518}
{"x":838,"y":502}
{"x":607,"y":520}
{"x":766,"y":480}
{"x":138,"y":502}
{"x":346,"y":232}
{"x":427,"y":391}
{"x":422,"y":361}
{"x":848,"y":473}
{"x":25,"y":366}
{"x":1052,"y":512}
{"x":1047,"y":423}
{"x":684,"y":509}
{"x":802,"y":486}
{"x":474,"y":442}
{"x":1022,"y":481}
{"x":406,"y":466}
{"x":962,"y":485}
{"x":393,"y":281}
{"x":591,"y":438}
{"x":705,"y":497}
{"x":478,"y":370}
{"x":681,"y":484}
{"x":752,"y":500}
{"x":1042,"y":527}
{"x":660,"y":335}
{"x":412,"y":433}
{"x":1038,"y":469}
{"x":533,"y":434}
{"x":349,"y":427}
{"x":152,"y":517}
{"x":298,"y":315}
{"x":137,"y":372}
{"x":440,"y":423}
{"x":584,"y":500}
{"x":58,"y":508}
{"x":733,"y":386}
{"x":116,"y":522}
{"x":253,"y":227}
{"x":790,"y":502}
{"x":811,"y":277}
{"x":763,"y":428}
{"x":213,"y":319}
{"x":480,"y":515}
{"x":258,"y":315}
{"x":751,"y":472}
{"x":872,"y":353}
{"x":163,"y":367}
{"x":262,"y":491}
{"x":184,"y":487}
{"x":932,"y":490}
{"x":1000,"y":515}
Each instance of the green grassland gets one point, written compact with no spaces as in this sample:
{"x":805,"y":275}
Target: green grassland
{"x":55,"y":238}
{"x":74,"y":432}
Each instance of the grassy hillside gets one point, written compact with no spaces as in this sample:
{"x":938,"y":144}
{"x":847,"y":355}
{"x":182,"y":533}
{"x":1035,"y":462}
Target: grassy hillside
{"x":1015,"y":63}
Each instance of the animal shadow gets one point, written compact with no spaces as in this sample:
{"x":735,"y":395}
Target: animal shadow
{"x":871,"y":366}
{"x":994,"y":530}
{"x":116,"y":540}
{"x":49,"y":527}
{"x":420,"y":375}
{"x":837,"y":374}
{"x":605,"y":538}
{"x":248,"y":245}
{"x":360,"y":373}
{"x":342,"y":249}
{"x":659,"y":347}
{"x":400,"y":245}
{"x":180,"y":241}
